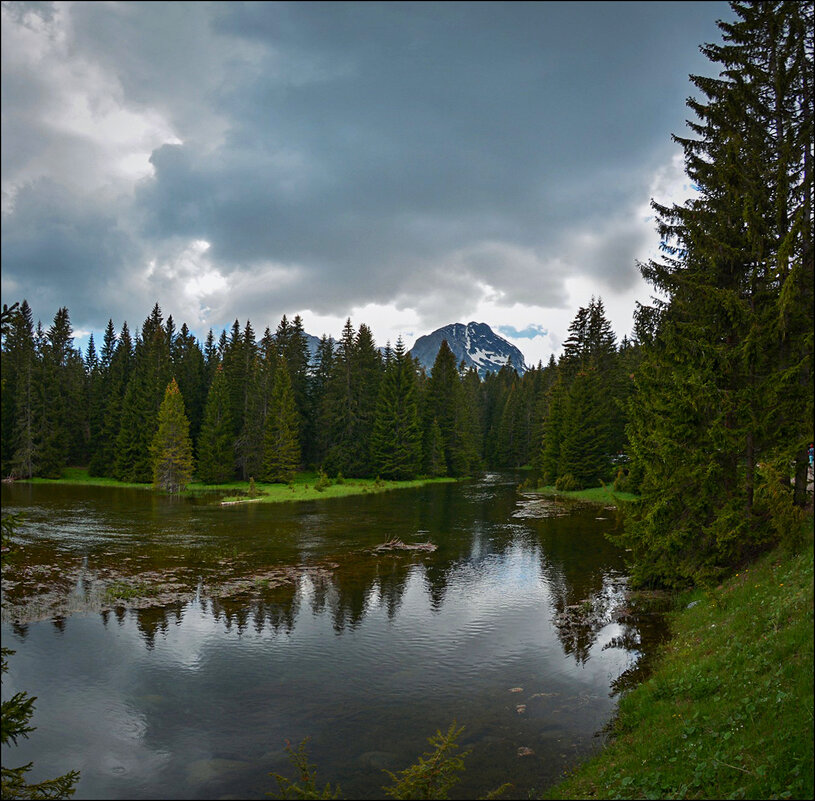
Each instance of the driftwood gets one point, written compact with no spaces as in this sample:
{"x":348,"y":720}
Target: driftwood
{"x":242,"y":500}
{"x":398,"y":545}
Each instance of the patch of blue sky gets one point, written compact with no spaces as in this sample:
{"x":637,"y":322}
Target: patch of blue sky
{"x":530,"y":332}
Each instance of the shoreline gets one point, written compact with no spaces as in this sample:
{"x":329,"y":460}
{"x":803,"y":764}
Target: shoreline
{"x":236,"y":493}
{"x":599,"y":496}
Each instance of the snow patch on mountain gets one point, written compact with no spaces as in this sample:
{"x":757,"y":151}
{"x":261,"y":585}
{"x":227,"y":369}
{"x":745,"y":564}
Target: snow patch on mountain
{"x":476,"y":344}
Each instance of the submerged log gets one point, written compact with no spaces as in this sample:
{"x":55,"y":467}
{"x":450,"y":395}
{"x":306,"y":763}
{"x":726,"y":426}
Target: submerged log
{"x":397,"y":545}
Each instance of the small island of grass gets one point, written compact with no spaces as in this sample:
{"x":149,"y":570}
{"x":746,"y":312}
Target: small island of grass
{"x":604,"y":495}
{"x":306,"y":485}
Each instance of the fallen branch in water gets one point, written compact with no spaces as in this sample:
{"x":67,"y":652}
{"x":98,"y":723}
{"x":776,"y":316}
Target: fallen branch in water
{"x":398,"y":545}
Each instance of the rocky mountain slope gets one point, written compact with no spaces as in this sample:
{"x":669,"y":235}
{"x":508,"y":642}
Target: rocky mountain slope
{"x":476,"y":344}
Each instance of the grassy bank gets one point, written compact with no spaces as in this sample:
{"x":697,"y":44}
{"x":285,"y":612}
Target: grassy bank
{"x":303,"y":487}
{"x":602,"y":495}
{"x":728,"y":713}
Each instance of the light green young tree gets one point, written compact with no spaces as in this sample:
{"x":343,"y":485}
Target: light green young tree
{"x":171,"y":451}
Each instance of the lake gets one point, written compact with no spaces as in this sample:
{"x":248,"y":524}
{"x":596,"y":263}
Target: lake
{"x":254,"y":624}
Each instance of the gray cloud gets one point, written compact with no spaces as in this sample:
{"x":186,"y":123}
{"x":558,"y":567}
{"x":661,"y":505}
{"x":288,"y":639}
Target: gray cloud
{"x":334,"y":155}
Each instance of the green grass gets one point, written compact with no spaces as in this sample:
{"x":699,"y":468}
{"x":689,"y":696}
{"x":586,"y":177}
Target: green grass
{"x":603,"y":495}
{"x":301,"y":488}
{"x":119,"y":590}
{"x":79,"y":475}
{"x":728,"y":712}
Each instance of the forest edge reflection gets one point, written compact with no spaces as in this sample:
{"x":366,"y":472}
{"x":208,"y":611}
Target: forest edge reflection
{"x":228,"y":583}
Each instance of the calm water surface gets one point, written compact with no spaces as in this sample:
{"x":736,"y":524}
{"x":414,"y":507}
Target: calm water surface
{"x":275,"y":622}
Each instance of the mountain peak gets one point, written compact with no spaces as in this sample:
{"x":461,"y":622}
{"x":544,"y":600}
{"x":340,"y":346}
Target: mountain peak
{"x":476,"y":344}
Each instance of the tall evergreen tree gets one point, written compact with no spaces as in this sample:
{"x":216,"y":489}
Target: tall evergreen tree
{"x":92,"y":392}
{"x":396,"y":441}
{"x":171,"y":449}
{"x":349,"y":403}
{"x":316,"y":444}
{"x":216,"y":462}
{"x":150,"y":374}
{"x":59,"y":428}
{"x":471,"y":420}
{"x":250,"y":444}
{"x":291,"y":342}
{"x":19,"y":376}
{"x":189,"y":370}
{"x":444,"y":407}
{"x":726,"y":381}
{"x":433,"y":462}
{"x":117,"y":376}
{"x":552,"y":429}
{"x":281,"y":444}
{"x":584,"y":440}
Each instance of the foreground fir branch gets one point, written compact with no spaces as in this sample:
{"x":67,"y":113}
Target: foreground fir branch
{"x":431,"y":777}
{"x":306,"y":784}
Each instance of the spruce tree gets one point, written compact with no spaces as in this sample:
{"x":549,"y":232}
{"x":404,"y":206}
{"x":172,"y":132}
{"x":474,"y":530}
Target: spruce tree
{"x":171,"y":449}
{"x":59,"y":407}
{"x":444,"y":408}
{"x":189,"y":369}
{"x":149,"y":376}
{"x":552,"y":429}
{"x":317,"y":447}
{"x":103,"y":459}
{"x":366,"y":374}
{"x":215,"y":447}
{"x":281,"y":445}
{"x":345,"y":405}
{"x":471,"y":420}
{"x":396,"y":441}
{"x":250,"y":444}
{"x":725,"y":382}
{"x":19,"y":376}
{"x":433,"y":462}
{"x":584,"y":439}
{"x":291,"y":342}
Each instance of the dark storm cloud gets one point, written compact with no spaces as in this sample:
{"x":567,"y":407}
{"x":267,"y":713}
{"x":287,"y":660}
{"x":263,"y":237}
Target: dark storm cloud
{"x":340,"y":154}
{"x":60,"y":245}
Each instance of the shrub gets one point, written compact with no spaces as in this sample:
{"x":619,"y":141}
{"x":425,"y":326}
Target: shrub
{"x":323,"y":482}
{"x":567,"y":483}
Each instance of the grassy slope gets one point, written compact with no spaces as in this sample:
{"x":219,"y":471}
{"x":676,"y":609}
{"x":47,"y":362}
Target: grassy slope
{"x":302,"y":488}
{"x":728,"y":713}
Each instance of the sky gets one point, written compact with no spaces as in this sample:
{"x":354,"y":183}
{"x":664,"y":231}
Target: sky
{"x":407,"y":165}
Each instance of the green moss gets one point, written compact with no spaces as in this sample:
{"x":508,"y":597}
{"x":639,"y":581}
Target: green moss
{"x":728,"y":711}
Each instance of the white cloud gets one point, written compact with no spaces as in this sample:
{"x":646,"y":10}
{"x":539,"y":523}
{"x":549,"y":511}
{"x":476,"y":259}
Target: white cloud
{"x":81,"y":133}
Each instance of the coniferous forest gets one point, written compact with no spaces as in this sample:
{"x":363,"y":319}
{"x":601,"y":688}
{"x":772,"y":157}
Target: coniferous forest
{"x":700,"y":419}
{"x":705,"y":411}
{"x":260,"y":408}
